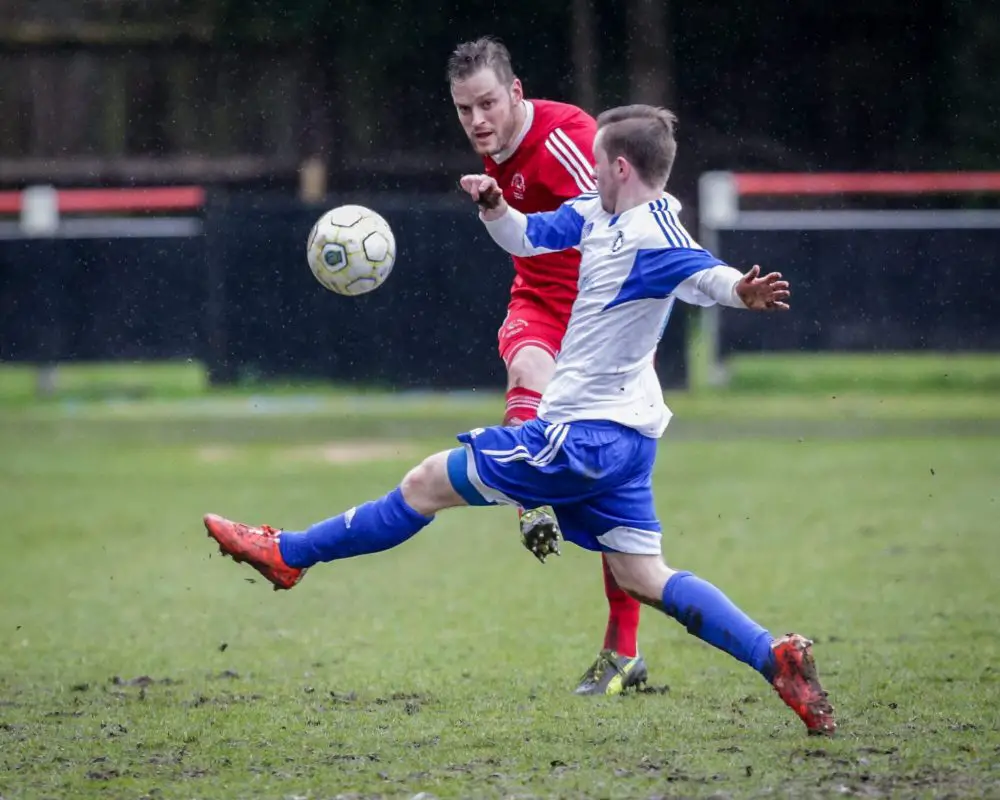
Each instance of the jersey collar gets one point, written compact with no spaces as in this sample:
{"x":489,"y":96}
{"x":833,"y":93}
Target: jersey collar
{"x":529,"y":117}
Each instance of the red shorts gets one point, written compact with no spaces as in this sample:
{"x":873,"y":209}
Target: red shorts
{"x":529,"y":325}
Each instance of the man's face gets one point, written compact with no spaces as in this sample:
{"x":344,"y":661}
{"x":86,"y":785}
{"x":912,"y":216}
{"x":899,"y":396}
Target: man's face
{"x":486,"y":109}
{"x":607,"y":174}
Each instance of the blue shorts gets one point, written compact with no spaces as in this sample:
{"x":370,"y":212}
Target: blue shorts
{"x":597,"y":476}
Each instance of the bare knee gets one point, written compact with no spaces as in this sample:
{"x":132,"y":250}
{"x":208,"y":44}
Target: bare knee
{"x":427,"y":488}
{"x":531,"y":368}
{"x":643,"y":577}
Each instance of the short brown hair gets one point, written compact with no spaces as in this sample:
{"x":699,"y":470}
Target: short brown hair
{"x":482,"y":53}
{"x":644,"y":135}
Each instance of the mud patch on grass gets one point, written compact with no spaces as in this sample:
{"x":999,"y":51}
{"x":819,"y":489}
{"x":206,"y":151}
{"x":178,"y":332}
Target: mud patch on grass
{"x":649,"y":689}
{"x":664,"y":771}
{"x":432,"y":741}
{"x":352,"y":758}
{"x":352,"y":452}
{"x":471,"y":767}
{"x":361,"y":451}
{"x":931,"y":782}
{"x":224,"y":699}
{"x":143,"y":681}
{"x":411,"y":703}
{"x":216,"y":453}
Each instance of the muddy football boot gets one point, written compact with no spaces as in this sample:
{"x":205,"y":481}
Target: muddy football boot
{"x":612,"y":674}
{"x":257,"y":547}
{"x":540,"y":533}
{"x":797,"y":683}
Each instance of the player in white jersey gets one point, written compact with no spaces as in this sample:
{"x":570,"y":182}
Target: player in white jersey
{"x":590,"y":453}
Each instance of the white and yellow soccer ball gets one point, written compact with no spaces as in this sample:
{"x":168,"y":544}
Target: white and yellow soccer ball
{"x":351,"y":250}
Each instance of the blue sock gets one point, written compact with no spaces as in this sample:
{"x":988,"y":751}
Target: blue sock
{"x":711,"y":616}
{"x":370,"y":528}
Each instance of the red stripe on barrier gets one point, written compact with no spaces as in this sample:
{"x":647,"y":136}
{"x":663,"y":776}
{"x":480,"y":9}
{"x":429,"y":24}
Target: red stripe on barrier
{"x":160,"y":198}
{"x":778,"y":183}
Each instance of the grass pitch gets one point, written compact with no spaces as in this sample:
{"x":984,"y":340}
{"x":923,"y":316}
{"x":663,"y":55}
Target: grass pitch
{"x":134,"y":662}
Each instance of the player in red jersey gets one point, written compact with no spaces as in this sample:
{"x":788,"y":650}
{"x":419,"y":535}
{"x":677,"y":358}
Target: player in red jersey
{"x":541,"y":154}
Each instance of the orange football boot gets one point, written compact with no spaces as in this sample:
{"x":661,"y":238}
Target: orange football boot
{"x":797,"y":683}
{"x":257,"y":547}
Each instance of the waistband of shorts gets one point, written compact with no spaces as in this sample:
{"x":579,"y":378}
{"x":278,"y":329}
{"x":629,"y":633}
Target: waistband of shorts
{"x":599,"y":424}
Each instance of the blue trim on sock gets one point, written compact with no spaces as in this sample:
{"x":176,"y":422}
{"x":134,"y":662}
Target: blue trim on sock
{"x":458,"y":474}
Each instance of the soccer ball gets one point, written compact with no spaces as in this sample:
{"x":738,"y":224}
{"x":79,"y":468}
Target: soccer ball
{"x":351,"y":250}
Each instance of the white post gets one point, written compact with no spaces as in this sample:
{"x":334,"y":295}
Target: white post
{"x":718,"y":207}
{"x":40,"y":218}
{"x":39,"y":211}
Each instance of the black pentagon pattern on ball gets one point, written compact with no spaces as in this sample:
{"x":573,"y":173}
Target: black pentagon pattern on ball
{"x":334,"y":255}
{"x":365,"y":249}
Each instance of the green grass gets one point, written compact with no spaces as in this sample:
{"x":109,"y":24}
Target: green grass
{"x":876,"y":372}
{"x":134,"y":662}
{"x":942,"y":374}
{"x":19,"y":383}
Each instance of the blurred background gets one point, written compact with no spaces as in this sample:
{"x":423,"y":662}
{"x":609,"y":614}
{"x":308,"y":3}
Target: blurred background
{"x":260,"y":114}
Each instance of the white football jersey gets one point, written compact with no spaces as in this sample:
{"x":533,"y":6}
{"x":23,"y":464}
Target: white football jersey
{"x":634,"y":265}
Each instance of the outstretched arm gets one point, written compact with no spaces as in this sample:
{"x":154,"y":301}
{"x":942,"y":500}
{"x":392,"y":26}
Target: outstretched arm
{"x":726,"y":286}
{"x":520,"y":234}
{"x":697,"y":277}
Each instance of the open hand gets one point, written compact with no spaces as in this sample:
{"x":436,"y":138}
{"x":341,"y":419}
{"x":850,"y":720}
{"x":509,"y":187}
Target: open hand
{"x":763,"y":293}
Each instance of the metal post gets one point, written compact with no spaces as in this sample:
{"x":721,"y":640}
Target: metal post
{"x":40,"y":219}
{"x":718,"y":206}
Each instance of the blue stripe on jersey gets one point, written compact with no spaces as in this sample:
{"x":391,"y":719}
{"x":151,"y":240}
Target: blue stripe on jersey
{"x":660,"y":222}
{"x":672,"y":229}
{"x":656,"y":273}
{"x":675,"y":225}
{"x":556,"y":230}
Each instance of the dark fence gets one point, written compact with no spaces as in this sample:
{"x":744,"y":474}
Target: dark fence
{"x":433,"y":323}
{"x":872,"y":290}
{"x":240,"y":297}
{"x":88,"y":299}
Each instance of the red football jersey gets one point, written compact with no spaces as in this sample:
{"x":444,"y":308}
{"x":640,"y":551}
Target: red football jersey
{"x":553,"y":162}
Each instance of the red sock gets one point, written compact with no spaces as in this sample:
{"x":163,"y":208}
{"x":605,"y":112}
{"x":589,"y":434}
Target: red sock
{"x":522,"y":405}
{"x":623,"y":616}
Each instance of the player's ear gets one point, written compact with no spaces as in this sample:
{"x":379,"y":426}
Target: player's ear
{"x":516,"y":91}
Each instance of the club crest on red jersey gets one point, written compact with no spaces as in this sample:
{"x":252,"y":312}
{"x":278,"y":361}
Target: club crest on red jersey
{"x":511,"y":327}
{"x":517,"y":186}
